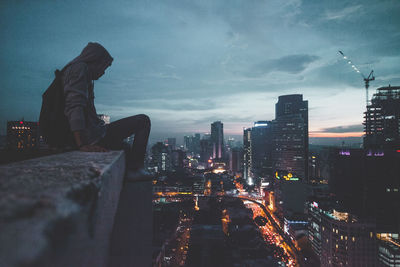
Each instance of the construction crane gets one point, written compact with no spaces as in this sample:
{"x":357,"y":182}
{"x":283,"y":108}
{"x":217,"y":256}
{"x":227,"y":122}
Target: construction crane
{"x":366,"y":79}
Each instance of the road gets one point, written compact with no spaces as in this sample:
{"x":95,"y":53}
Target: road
{"x":293,"y":250}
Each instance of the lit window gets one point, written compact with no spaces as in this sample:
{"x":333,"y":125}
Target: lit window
{"x":353,"y":238}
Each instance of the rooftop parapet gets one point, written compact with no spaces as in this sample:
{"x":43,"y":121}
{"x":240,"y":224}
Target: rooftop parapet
{"x":59,"y":210}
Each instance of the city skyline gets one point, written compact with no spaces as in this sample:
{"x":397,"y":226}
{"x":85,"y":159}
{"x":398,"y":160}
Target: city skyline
{"x":188,"y":64}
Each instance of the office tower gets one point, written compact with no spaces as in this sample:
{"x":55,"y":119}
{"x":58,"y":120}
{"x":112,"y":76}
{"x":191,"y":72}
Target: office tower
{"x":22,"y":135}
{"x":261,"y":148}
{"x":160,"y":155}
{"x":382,"y":120}
{"x":192,"y":143}
{"x":368,"y":185}
{"x":235,"y":160}
{"x":247,"y":154}
{"x":346,"y":241}
{"x":196,"y":143}
{"x":171,"y":143}
{"x":388,"y":250}
{"x":206,"y":148}
{"x":290,"y":136}
{"x":104,"y":117}
{"x":177,"y":158}
{"x":217,"y":138}
{"x":187,"y":142}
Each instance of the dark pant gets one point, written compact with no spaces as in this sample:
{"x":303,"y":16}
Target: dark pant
{"x":117,"y":131}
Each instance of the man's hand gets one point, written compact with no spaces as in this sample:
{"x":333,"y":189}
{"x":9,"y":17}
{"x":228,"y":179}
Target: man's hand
{"x":93,"y":148}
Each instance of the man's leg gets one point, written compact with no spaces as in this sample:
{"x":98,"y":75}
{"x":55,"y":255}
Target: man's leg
{"x":117,"y":131}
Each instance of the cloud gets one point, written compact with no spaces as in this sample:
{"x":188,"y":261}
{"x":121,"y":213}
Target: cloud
{"x":344,"y":129}
{"x":342,"y":13}
{"x":292,"y":64}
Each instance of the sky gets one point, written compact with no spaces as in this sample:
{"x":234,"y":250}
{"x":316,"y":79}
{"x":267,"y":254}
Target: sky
{"x":187,"y":63}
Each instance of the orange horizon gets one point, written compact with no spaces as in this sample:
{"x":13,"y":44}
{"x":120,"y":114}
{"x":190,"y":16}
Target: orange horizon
{"x":335,"y":135}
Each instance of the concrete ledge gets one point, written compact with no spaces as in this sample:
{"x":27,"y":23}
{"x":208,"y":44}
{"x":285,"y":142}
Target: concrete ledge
{"x":59,"y":210}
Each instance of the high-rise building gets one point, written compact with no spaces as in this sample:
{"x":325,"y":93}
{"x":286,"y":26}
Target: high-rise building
{"x":217,"y":138}
{"x":382,"y":120}
{"x":171,"y":143}
{"x":177,"y":158}
{"x":388,"y":250}
{"x":206,"y":148}
{"x":235,"y":160}
{"x":261,"y":142}
{"x":368,"y":185}
{"x":192,"y":143}
{"x":22,"y":135}
{"x":247,"y":154}
{"x":161,"y":159}
{"x":290,"y":136}
{"x":345,"y":241}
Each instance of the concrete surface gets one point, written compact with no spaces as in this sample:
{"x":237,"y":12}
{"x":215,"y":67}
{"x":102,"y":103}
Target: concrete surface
{"x":59,"y":210}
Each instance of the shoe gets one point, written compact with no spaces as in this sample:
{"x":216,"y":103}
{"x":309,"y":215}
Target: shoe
{"x":138,"y":175}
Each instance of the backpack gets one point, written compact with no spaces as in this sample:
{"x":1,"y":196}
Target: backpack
{"x":53,"y":124}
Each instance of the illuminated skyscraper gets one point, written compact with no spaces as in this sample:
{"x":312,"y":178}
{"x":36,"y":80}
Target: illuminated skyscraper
{"x":290,"y":134}
{"x":217,"y":139}
{"x":22,"y":135}
{"x":247,"y":154}
{"x":160,"y":155}
{"x":382,"y":120}
{"x":261,"y":148}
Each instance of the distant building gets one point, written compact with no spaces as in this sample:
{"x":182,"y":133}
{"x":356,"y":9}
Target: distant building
{"x":177,"y":158}
{"x":104,"y":117}
{"x":231,"y":142}
{"x":290,"y":131}
{"x":160,"y":154}
{"x":388,"y":250}
{"x":171,"y":143}
{"x":247,"y":154}
{"x":217,"y":139}
{"x":235,"y":160}
{"x":22,"y":135}
{"x":261,"y":149}
{"x":290,"y":197}
{"x":314,"y":209}
{"x":382,"y":120}
{"x":345,"y":241}
{"x":192,"y":143}
{"x":206,"y":149}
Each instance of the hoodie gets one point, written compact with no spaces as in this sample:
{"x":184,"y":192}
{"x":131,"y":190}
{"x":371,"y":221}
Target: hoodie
{"x":78,"y":76}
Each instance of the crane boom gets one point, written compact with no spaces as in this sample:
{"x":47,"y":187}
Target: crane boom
{"x":366,"y":79}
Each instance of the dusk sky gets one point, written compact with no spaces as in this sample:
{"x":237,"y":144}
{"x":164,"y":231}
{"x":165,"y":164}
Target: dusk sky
{"x":187,"y":63}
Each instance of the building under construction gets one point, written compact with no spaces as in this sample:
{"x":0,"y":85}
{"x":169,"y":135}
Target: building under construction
{"x":382,"y":120}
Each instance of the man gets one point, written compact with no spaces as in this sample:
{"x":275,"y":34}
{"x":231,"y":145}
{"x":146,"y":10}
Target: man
{"x":90,"y":133}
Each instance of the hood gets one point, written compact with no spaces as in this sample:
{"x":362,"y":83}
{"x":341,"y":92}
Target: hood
{"x":96,"y":57}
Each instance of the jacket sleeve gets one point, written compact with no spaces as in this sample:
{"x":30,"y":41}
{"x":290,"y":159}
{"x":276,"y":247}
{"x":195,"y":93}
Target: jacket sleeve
{"x":76,"y":95}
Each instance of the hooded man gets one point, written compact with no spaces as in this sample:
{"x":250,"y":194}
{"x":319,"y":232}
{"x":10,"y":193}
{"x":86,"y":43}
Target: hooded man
{"x":90,"y":133}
